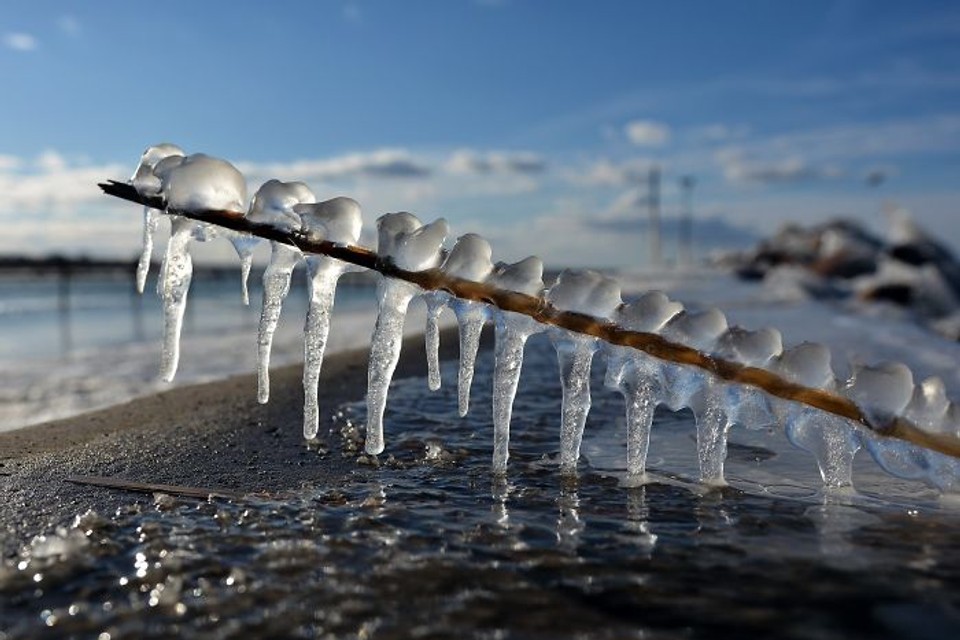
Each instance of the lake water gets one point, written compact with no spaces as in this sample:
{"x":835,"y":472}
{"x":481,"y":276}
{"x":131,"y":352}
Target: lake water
{"x":99,"y":344}
{"x":429,"y":545}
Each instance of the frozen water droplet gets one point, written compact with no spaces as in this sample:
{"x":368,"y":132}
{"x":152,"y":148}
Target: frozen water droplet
{"x":412,"y":246}
{"x":201,"y":182}
{"x":147,"y":183}
{"x":151,"y":219}
{"x":511,"y":334}
{"x":468,"y":260}
{"x":339,"y":221}
{"x":435,"y":302}
{"x":881,"y":391}
{"x":173,"y":285}
{"x":698,"y":330}
{"x":751,"y":348}
{"x":830,"y":439}
{"x":273,"y":204}
{"x":807,"y":364}
{"x":591,"y":293}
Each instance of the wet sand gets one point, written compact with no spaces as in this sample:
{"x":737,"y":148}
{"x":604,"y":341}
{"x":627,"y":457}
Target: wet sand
{"x":214,"y":436}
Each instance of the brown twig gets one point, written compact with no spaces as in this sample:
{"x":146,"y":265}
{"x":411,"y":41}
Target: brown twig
{"x":172,"y":489}
{"x":541,"y":311}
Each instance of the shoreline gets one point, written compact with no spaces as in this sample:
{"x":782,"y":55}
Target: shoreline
{"x":212,"y":435}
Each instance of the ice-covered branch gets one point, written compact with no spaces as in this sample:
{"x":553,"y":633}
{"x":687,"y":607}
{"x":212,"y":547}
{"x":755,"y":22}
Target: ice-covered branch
{"x":883,"y":423}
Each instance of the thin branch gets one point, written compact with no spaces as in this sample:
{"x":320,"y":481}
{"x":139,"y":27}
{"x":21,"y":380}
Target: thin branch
{"x":541,"y":311}
{"x":172,"y":489}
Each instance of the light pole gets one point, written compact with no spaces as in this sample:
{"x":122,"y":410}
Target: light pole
{"x":685,"y":239}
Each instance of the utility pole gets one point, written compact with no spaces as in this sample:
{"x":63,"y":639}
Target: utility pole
{"x":653,"y":203}
{"x":685,"y":239}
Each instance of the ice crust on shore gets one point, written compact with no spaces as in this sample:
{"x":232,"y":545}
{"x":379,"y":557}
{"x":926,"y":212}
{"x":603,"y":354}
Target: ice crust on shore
{"x":413,"y":246}
{"x":883,"y":392}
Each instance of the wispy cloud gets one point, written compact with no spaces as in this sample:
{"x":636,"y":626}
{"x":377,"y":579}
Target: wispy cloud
{"x":381,"y":163}
{"x":466,"y":161}
{"x":647,"y":133}
{"x":50,"y":183}
{"x":789,"y":170}
{"x":20,"y":41}
{"x":608,"y":173}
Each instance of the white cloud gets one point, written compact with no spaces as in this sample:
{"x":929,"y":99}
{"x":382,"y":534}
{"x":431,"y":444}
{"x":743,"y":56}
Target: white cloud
{"x":9,"y":163}
{"x":53,"y":186}
{"x":467,"y":161}
{"x":647,"y":133}
{"x":20,"y":41}
{"x":382,"y":163}
{"x":606,"y":173}
{"x":792,"y":169}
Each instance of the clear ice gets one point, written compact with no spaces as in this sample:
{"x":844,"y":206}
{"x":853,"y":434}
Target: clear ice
{"x":196,"y":182}
{"x":468,"y":260}
{"x":830,"y":439}
{"x":883,"y":392}
{"x":412,"y":246}
{"x":636,"y":375}
{"x":511,"y":333}
{"x":148,"y":184}
{"x":274,"y":204}
{"x":594,"y":294}
{"x":337,"y":220}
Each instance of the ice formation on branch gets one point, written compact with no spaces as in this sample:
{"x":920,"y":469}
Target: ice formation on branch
{"x":274,"y":204}
{"x":589,"y":293}
{"x":187,"y":183}
{"x":147,"y":183}
{"x":412,"y":246}
{"x":656,"y":352}
{"x":337,"y":220}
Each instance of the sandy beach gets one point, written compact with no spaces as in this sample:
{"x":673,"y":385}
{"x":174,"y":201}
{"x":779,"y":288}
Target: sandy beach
{"x":212,"y":435}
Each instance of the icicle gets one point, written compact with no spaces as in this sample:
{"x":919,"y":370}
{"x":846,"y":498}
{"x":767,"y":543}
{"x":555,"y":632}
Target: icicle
{"x":511,"y":333}
{"x":415,"y":247}
{"x":147,"y":183}
{"x":244,"y":244}
{"x":725,"y":404}
{"x":196,"y":182}
{"x":469,"y":260}
{"x":173,"y":285}
{"x":274,"y":204}
{"x":435,"y":302}
{"x":636,"y":376}
{"x":830,"y":439}
{"x":582,"y":292}
{"x":337,"y":220}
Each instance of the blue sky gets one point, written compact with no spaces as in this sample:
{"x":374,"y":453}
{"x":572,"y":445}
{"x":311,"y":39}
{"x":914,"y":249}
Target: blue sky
{"x":528,"y":121}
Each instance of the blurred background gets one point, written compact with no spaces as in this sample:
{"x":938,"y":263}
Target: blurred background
{"x":632,"y":135}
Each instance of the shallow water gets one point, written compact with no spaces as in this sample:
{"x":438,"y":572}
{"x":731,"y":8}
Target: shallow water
{"x":424,"y":543}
